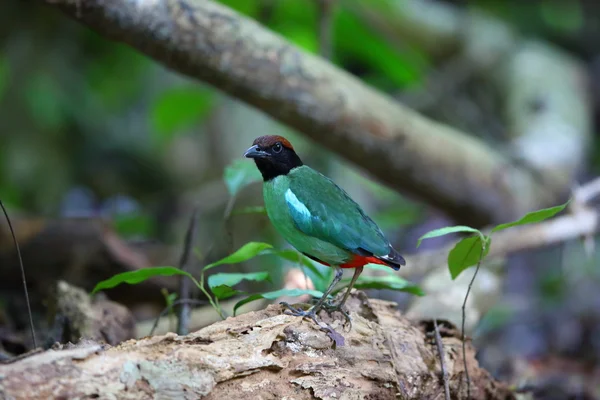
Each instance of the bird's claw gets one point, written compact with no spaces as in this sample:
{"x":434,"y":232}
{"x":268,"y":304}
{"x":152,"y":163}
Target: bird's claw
{"x":330,"y":307}
{"x":298,"y":312}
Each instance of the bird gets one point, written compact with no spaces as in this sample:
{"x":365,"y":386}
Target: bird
{"x":318,"y":218}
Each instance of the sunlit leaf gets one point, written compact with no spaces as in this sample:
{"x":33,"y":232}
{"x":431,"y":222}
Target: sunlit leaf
{"x":466,"y":253}
{"x":533,"y":217}
{"x":232,"y":279}
{"x":134,"y":277}
{"x":239,"y":174}
{"x":178,"y":108}
{"x":223,"y":292}
{"x":244,"y":253}
{"x":446,"y":231}
{"x":276,"y":294}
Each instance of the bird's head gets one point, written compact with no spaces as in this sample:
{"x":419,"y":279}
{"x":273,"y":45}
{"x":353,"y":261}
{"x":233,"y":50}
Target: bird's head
{"x":273,"y":155}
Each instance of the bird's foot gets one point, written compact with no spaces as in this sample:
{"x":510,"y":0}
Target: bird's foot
{"x":338,"y":339}
{"x":298,"y":312}
{"x":330,"y":307}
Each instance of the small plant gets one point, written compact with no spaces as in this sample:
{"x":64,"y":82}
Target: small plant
{"x":472,"y":249}
{"x":222,"y":285}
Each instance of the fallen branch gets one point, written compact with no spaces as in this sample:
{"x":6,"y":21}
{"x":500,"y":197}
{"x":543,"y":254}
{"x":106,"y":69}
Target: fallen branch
{"x":459,"y":174}
{"x":256,"y":355}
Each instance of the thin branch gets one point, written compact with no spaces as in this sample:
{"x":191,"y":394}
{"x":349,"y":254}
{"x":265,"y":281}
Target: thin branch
{"x":24,"y":280}
{"x":440,"y":348}
{"x":210,"y":42}
{"x":184,"y":282}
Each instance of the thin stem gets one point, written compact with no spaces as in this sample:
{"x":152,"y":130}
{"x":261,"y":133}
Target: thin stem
{"x":12,"y":232}
{"x":464,"y":306}
{"x":184,"y":283}
{"x":440,"y":348}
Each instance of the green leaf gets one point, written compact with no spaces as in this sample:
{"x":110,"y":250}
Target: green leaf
{"x":391,"y":282}
{"x":240,"y":174}
{"x":134,"y":277}
{"x":178,"y":108}
{"x":244,"y":253}
{"x":467,"y":253}
{"x":276,"y":294}
{"x":447,"y":230}
{"x":533,"y":217}
{"x":223,"y":292}
{"x":232,"y":279}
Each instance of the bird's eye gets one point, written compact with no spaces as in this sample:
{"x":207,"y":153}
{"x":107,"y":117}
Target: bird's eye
{"x":277,"y":148}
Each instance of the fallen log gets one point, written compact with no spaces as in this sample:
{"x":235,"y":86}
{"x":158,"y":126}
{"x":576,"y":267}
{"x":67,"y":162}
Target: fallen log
{"x":262,"y":355}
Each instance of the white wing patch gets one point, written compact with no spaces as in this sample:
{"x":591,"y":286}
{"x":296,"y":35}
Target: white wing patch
{"x":293,"y":201}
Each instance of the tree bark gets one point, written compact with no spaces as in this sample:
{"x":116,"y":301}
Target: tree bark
{"x":440,"y":165}
{"x":262,"y":355}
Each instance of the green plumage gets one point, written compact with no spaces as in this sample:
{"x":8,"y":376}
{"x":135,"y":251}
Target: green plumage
{"x":318,"y":218}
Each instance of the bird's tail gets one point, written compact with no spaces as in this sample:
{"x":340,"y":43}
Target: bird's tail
{"x":393,"y":259}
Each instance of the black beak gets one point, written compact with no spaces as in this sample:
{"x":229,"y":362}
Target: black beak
{"x":255,"y":152}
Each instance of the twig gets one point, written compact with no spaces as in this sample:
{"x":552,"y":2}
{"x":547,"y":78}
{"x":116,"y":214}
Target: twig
{"x":440,"y":349}
{"x":168,"y":308}
{"x":184,"y":281}
{"x":325,"y":28}
{"x":464,"y":306}
{"x":12,"y":232}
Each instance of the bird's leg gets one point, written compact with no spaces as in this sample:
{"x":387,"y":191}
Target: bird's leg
{"x":338,"y":307}
{"x":312,"y":312}
{"x":357,"y":272}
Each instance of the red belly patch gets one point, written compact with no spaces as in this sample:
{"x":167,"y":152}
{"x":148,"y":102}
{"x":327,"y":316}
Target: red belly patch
{"x":359,"y":261}
{"x":355,"y":262}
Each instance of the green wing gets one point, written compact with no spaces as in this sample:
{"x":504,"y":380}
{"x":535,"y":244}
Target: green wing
{"x":321,"y":209}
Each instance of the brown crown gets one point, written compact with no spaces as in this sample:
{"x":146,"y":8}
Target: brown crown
{"x":270,"y":140}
